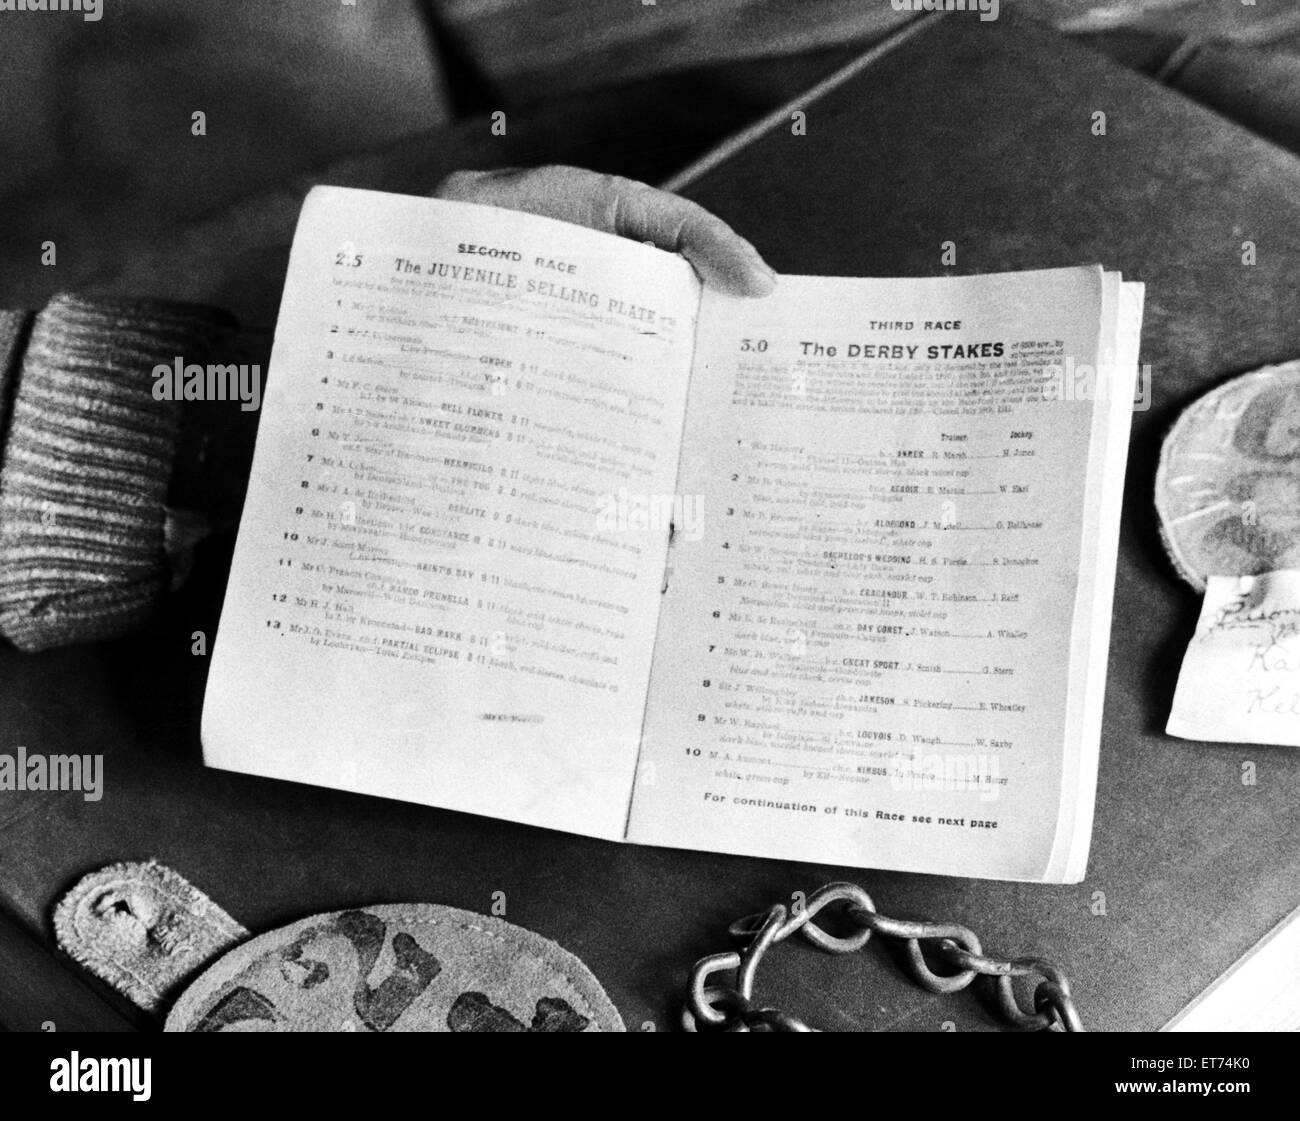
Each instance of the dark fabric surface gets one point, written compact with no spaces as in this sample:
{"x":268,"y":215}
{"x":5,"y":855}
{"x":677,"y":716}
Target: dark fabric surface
{"x":14,"y":327}
{"x":1257,"y":87}
{"x":96,"y":126}
{"x":977,"y":133}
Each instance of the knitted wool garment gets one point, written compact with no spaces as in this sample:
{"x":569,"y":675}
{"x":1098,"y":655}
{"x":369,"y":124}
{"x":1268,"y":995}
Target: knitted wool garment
{"x":87,"y":457}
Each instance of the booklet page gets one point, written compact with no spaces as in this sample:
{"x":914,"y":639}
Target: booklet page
{"x":438,"y":593}
{"x":864,"y":656}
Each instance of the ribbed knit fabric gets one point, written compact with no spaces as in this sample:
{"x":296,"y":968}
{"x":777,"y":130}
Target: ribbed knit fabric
{"x":86,"y":465}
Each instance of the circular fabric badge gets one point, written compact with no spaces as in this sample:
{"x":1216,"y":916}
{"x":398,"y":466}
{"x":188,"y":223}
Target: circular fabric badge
{"x":1228,"y":485}
{"x":398,"y":967}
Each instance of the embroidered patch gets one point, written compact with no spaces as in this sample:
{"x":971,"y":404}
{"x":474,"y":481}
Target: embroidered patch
{"x":144,"y":929}
{"x":398,"y":967}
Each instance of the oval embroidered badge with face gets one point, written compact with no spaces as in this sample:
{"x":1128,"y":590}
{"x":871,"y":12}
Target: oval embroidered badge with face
{"x":1228,"y":484}
{"x":397,"y":967}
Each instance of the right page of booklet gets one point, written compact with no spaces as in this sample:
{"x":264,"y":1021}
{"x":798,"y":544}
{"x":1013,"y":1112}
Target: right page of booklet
{"x":883,"y":636}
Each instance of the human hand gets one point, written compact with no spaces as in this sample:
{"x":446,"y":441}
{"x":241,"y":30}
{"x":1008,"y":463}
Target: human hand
{"x":723,"y":259}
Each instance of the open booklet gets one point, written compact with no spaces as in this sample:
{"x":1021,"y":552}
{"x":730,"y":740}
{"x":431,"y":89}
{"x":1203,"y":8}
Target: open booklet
{"x":540,"y":529}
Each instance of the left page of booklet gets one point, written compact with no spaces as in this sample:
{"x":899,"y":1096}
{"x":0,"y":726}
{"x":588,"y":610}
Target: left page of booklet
{"x":438,"y":594}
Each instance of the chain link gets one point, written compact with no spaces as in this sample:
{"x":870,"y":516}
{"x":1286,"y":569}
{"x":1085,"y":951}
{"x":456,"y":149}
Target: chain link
{"x":714,"y":1006}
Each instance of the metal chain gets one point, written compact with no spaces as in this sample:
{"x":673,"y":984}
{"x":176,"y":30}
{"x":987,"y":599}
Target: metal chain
{"x":722,"y":1007}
